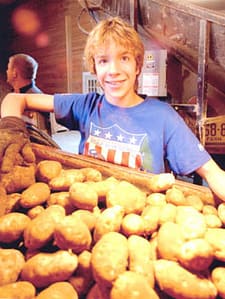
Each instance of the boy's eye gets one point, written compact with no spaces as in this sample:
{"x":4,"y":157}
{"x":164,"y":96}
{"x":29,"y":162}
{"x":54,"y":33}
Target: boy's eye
{"x":101,"y":61}
{"x":125,"y":58}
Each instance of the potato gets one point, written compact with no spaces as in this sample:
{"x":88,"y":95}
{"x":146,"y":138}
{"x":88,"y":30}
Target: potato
{"x":216,"y":237}
{"x":102,"y":187}
{"x":18,"y":290}
{"x":44,"y":269}
{"x":35,"y":211}
{"x":63,"y":199}
{"x":72,"y":233}
{"x":175,"y":196}
{"x":133,"y":224}
{"x":169,"y":241}
{"x":167,"y":213}
{"x":150,"y":215}
{"x":125,"y":194}
{"x":161,"y":182}
{"x":88,"y":217}
{"x":11,"y":264}
{"x":58,"y":290}
{"x":34,"y":195}
{"x":40,"y":230}
{"x":192,"y":223}
{"x":178,"y":282}
{"x":218,"y":278}
{"x":153,"y":247}
{"x":156,"y":199}
{"x":221,"y":212}
{"x":194,"y":201}
{"x":196,"y":255}
{"x":213,"y":221}
{"x":109,"y":258}
{"x":83,"y":196}
{"x":65,"y":179}
{"x":91,"y":174}
{"x":82,"y":280}
{"x":140,"y":258}
{"x":132,"y":285}
{"x":109,"y":220}
{"x":12,"y":226}
{"x":47,"y":170}
{"x":209,"y":210}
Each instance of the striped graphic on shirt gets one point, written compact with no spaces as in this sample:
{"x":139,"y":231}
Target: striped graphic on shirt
{"x":115,"y":145}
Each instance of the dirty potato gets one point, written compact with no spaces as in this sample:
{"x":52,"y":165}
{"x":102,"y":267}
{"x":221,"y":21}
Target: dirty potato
{"x":132,"y":285}
{"x":12,"y":226}
{"x":63,"y":199}
{"x":44,"y":269}
{"x":40,"y":230}
{"x":127,"y":195}
{"x":47,"y":170}
{"x":82,"y":280}
{"x":11,"y":265}
{"x":109,"y":220}
{"x":83,"y":196}
{"x":140,"y":260}
{"x":34,"y":195}
{"x":18,"y":290}
{"x":58,"y":290}
{"x":65,"y":179}
{"x":72,"y":233}
{"x":218,"y":278}
{"x":109,"y":258}
{"x":133,"y":224}
{"x":178,"y":282}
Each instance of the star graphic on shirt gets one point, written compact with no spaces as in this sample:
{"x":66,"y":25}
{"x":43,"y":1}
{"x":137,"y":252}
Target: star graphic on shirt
{"x":108,"y":135}
{"x":120,"y":137}
{"x":133,"y":140}
{"x":97,"y":132}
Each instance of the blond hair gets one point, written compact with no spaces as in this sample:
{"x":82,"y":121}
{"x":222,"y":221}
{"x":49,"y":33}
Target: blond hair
{"x":119,"y":31}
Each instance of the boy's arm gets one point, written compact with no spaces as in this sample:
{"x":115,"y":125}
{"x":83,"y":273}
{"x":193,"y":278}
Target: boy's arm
{"x":16,"y":156}
{"x":14,"y":104}
{"x":214,"y":176}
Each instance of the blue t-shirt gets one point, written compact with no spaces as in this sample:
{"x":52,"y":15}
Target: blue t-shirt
{"x":140,"y":137}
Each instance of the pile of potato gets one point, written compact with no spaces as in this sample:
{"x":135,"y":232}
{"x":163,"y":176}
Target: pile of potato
{"x":74,"y":234}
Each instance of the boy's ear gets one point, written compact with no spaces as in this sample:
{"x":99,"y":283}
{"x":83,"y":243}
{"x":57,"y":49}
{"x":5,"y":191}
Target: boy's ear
{"x":138,"y":71}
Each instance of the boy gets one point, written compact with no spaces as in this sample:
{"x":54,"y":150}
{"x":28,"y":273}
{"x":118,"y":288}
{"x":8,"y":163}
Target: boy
{"x":119,"y":126}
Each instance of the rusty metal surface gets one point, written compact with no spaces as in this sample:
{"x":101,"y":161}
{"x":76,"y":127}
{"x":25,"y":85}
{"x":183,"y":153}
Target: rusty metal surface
{"x":176,"y":24}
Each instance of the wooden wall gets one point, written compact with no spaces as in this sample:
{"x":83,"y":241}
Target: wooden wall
{"x":57,"y":45}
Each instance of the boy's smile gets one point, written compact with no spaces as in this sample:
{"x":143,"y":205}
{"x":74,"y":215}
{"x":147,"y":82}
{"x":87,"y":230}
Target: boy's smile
{"x":116,"y":71}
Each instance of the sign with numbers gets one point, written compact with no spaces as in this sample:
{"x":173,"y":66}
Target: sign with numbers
{"x":214,"y":132}
{"x":215,"y":135}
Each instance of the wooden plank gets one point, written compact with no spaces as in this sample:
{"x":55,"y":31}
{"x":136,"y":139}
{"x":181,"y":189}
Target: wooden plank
{"x":138,"y":178}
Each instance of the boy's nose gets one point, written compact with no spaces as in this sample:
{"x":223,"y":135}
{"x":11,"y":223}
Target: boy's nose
{"x":113,"y":67}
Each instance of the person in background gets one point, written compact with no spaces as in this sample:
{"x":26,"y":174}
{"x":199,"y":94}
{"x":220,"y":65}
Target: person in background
{"x":21,"y":75}
{"x":119,"y":126}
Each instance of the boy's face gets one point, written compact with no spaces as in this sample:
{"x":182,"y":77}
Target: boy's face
{"x":116,"y":71}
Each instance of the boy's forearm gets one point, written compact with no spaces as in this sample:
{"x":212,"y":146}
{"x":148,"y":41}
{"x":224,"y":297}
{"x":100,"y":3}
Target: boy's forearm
{"x":215,"y":177}
{"x":13,"y":105}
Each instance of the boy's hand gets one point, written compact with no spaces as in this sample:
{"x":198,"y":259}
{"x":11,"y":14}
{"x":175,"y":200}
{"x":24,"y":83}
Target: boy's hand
{"x":15,"y":147}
